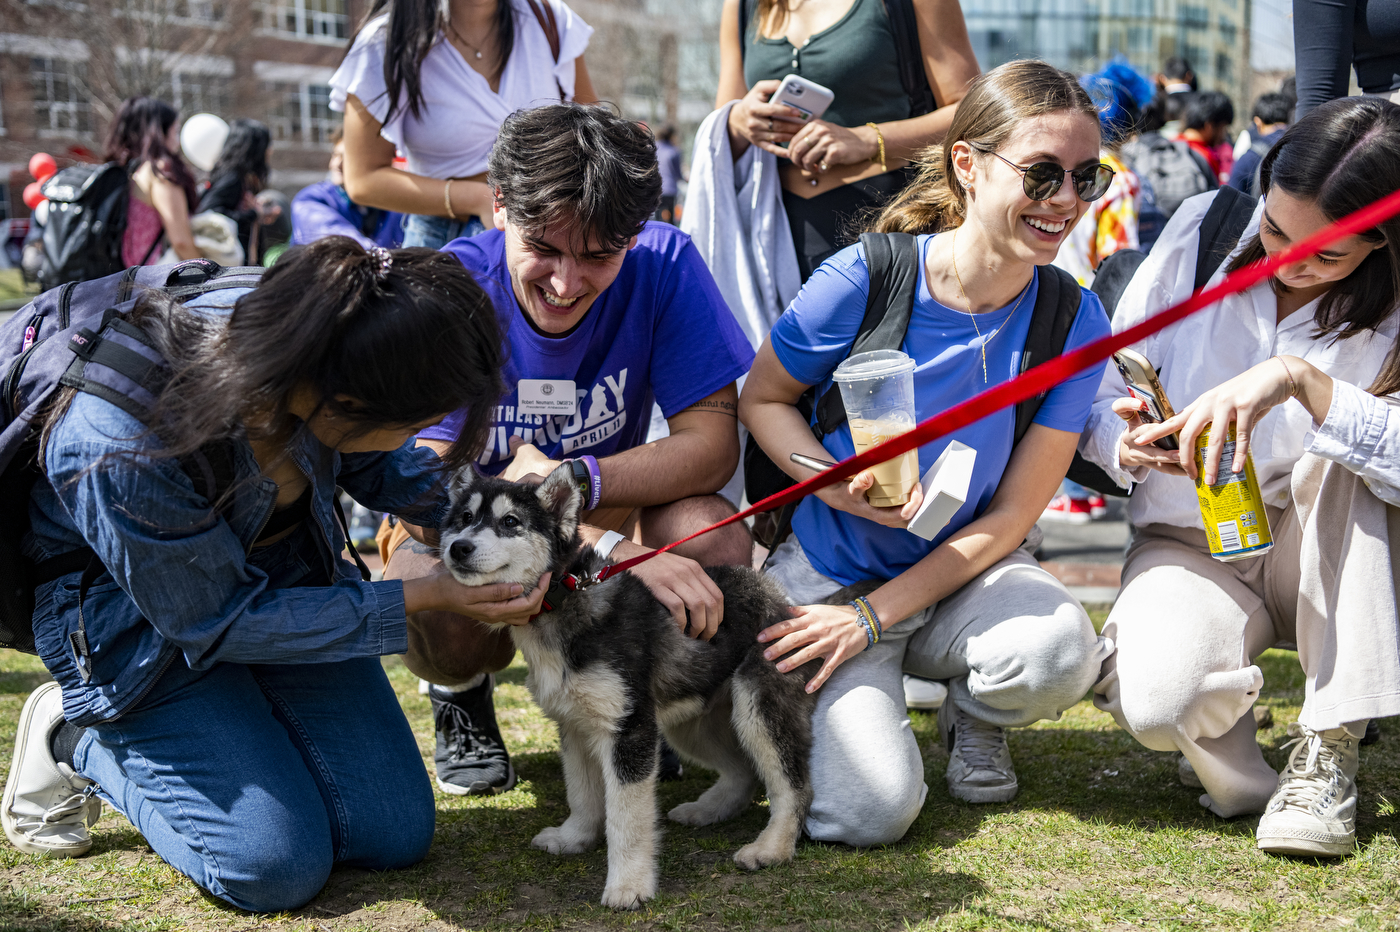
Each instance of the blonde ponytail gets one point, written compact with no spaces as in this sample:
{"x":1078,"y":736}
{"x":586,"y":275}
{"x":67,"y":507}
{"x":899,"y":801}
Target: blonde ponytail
{"x":930,"y":203}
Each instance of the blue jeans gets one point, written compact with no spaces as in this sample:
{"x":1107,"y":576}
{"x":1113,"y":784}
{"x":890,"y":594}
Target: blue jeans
{"x":253,"y":780}
{"x":437,"y":232}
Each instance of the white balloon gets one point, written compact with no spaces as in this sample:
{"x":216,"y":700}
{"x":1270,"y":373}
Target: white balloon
{"x":41,"y":213}
{"x":202,"y":139}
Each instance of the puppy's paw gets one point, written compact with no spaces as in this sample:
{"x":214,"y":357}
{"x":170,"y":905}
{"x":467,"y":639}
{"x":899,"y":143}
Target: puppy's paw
{"x":630,"y":893}
{"x":696,"y":813}
{"x":556,"y":841}
{"x":757,"y":855}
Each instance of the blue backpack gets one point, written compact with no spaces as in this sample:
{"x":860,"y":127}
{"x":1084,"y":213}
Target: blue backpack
{"x":77,"y":335}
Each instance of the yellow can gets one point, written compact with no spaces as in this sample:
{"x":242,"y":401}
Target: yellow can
{"x":1232,"y":510}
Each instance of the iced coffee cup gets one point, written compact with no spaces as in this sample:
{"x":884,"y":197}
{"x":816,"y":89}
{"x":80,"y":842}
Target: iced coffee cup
{"x":878,"y":391}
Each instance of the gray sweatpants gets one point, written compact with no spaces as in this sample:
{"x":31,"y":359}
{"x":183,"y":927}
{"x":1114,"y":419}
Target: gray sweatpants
{"x":1188,"y":629}
{"x":1014,"y":646}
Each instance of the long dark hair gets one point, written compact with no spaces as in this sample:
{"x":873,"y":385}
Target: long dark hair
{"x":245,"y":154}
{"x":411,"y":33}
{"x":410,"y":343}
{"x":1341,"y":157}
{"x":137,"y":134}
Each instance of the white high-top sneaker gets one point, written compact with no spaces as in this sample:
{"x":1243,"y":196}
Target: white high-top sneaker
{"x":979,"y":762}
{"x":47,"y":807}
{"x":1313,"y":811}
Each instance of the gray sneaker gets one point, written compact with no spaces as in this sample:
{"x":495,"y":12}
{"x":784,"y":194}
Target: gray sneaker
{"x":47,"y":807}
{"x":1313,"y":811}
{"x":1187,"y":774}
{"x":979,"y":763}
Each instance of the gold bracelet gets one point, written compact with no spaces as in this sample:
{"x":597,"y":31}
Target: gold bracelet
{"x":447,"y":198}
{"x":880,"y":138}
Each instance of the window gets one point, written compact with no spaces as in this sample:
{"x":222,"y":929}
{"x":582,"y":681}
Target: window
{"x":284,"y":110}
{"x":199,"y":93}
{"x":300,"y":113}
{"x":60,"y":96}
{"x":316,"y":20}
{"x":322,"y":120}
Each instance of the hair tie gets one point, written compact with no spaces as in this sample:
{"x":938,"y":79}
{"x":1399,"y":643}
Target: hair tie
{"x":383,"y":261}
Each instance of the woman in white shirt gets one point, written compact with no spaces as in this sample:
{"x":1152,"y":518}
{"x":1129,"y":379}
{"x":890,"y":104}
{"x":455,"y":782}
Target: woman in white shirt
{"x":1321,"y":331}
{"x":434,"y":80}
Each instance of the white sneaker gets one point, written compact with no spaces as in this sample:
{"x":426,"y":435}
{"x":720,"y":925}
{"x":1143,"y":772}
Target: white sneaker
{"x":47,"y":807}
{"x":1313,"y":811}
{"x":979,"y":763}
{"x":920,"y":693}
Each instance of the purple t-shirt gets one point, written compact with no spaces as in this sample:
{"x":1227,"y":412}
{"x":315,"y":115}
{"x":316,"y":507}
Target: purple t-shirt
{"x":660,"y":332}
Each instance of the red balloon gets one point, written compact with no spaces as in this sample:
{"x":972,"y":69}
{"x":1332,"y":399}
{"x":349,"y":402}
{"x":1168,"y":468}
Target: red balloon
{"x":42,"y":166}
{"x":32,"y":195}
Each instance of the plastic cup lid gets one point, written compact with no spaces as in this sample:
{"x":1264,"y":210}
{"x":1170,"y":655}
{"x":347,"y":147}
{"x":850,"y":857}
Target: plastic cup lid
{"x":873,"y":365}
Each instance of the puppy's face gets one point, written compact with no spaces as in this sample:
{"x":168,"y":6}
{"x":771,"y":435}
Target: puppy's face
{"x":499,"y":531}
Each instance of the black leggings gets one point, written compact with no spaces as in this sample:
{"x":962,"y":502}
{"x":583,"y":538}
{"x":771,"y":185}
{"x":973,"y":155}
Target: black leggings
{"x":827,"y":223}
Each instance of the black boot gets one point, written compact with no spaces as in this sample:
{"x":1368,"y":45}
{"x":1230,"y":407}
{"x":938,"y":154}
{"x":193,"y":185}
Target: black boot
{"x":470,"y":758}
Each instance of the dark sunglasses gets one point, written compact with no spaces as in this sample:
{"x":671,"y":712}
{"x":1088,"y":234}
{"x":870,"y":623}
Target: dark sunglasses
{"x":1042,"y":180}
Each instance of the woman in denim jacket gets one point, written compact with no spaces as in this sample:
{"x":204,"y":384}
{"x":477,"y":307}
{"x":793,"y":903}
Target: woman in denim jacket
{"x":232,"y":704}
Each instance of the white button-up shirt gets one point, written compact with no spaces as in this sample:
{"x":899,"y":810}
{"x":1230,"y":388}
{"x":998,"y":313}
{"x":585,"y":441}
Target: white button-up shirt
{"x":1361,"y":431}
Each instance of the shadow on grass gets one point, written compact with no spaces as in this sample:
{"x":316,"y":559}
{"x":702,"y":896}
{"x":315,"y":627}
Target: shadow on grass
{"x":22,"y":683}
{"x":1106,"y":776}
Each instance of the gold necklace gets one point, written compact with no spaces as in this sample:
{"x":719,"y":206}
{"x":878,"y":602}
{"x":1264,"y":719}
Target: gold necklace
{"x":991,"y":336}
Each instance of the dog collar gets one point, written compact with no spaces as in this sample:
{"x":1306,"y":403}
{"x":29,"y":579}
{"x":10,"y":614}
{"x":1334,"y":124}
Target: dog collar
{"x":558,"y":589}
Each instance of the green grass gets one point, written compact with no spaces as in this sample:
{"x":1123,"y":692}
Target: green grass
{"x":1101,"y":837}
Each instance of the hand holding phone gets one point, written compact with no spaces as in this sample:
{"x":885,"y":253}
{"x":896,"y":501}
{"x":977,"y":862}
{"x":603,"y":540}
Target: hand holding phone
{"x":1144,"y":386}
{"x":807,"y":97}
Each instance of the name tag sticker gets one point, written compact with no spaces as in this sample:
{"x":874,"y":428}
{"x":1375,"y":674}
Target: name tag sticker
{"x":546,"y":396}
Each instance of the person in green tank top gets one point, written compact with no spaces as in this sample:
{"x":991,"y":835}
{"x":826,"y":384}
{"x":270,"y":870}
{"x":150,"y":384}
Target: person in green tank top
{"x":834,"y":168}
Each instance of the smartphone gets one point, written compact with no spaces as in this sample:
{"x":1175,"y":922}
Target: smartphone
{"x":807,"y":96}
{"x":1143,"y":385}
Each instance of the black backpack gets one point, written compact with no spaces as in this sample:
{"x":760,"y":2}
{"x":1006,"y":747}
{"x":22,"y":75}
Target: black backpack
{"x":87,"y":217}
{"x":893,"y":263}
{"x":1221,"y":229}
{"x":64,"y":337}
{"x":908,"y":57}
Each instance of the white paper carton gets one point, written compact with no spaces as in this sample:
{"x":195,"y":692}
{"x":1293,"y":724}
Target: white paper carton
{"x":945,"y":489}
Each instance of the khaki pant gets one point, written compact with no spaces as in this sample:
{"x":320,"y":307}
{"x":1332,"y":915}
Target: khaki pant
{"x":1188,"y":629}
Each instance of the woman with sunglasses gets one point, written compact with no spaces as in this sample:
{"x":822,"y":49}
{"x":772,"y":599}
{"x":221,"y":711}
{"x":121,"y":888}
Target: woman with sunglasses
{"x":1320,"y":332}
{"x":971,"y":607}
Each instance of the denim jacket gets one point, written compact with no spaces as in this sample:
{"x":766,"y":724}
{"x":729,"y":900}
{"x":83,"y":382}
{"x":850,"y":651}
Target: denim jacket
{"x":180,"y":579}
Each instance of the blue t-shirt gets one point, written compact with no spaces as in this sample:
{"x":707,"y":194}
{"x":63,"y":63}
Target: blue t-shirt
{"x":816,"y":333}
{"x":661,"y":331}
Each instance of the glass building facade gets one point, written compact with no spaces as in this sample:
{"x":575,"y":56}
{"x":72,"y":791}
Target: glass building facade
{"x":1080,"y":35}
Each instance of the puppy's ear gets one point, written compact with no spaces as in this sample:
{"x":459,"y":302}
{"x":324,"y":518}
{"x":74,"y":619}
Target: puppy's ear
{"x":462,"y":480}
{"x":560,"y":494}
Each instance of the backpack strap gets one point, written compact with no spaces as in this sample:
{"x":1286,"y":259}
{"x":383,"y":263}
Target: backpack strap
{"x":893,"y":263}
{"x":551,"y":33}
{"x":1057,"y":302}
{"x":1221,"y":229}
{"x":904,"y":26}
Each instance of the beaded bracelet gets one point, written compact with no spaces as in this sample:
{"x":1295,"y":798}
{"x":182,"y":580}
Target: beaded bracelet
{"x":868,"y":620}
{"x":880,"y":140}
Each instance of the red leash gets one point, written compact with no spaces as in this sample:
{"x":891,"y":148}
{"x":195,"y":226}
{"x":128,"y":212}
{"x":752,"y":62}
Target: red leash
{"x":1044,"y":376}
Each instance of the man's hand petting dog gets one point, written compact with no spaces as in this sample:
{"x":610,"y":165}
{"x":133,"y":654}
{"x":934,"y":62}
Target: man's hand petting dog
{"x":528,"y":465}
{"x":682,"y":586}
{"x":496,"y":603}
{"x":815,"y":631}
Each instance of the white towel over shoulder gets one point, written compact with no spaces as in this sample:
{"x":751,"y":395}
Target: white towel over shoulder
{"x":734,"y":214}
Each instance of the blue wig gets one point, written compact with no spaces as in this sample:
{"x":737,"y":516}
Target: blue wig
{"x":1119,"y":93}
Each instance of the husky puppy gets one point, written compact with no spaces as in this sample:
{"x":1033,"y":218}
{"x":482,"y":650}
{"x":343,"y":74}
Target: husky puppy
{"x":608,"y":664}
